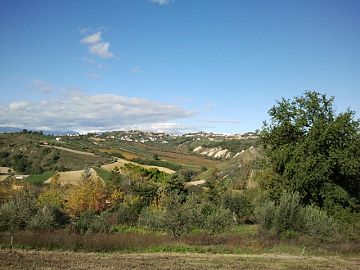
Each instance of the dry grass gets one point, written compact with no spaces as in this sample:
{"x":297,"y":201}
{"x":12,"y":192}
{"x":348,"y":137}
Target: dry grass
{"x":21,"y":259}
{"x":3,"y":177}
{"x":72,"y":177}
{"x":90,"y":242}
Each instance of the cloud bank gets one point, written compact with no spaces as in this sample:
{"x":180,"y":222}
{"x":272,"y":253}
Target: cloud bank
{"x":87,"y":113}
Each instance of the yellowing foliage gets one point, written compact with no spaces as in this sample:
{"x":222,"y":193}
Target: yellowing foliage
{"x":89,"y":195}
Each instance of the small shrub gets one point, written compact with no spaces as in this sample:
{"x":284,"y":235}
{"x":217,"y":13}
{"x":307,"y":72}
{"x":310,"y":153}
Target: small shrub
{"x":16,"y":214}
{"x":44,"y":219}
{"x":238,"y":204}
{"x":317,"y":223}
{"x":151,"y":217}
{"x":100,"y":224}
{"x":218,"y":221}
{"x":288,"y":214}
{"x":265,"y":215}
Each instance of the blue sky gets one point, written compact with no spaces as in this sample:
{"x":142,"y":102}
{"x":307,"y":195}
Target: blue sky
{"x":175,"y":66}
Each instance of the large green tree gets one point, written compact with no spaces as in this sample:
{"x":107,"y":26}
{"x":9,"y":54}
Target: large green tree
{"x":313,"y":150}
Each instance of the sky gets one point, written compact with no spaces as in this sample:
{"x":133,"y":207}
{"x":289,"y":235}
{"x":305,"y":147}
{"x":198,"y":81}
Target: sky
{"x":171,"y":65}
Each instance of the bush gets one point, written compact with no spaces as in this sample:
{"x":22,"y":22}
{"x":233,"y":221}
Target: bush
{"x":317,"y":223}
{"x":90,"y":222}
{"x":151,"y":217}
{"x":16,"y":214}
{"x":218,"y":221}
{"x":238,"y":204}
{"x":288,"y":213}
{"x":290,"y":218}
{"x":123,"y":214}
{"x":265,"y":214}
{"x":83,"y":222}
{"x":100,"y":224}
{"x":44,"y":219}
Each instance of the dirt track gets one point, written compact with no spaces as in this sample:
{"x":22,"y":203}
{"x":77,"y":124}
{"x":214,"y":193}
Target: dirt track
{"x":69,"y":150}
{"x":21,"y":259}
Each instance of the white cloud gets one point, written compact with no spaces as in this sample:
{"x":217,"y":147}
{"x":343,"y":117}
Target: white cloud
{"x":96,"y":46}
{"x":43,"y":86}
{"x":101,"y":49}
{"x":81,"y":112}
{"x":161,"y":2}
{"x":134,"y":69}
{"x":92,"y":39}
{"x":16,"y":106}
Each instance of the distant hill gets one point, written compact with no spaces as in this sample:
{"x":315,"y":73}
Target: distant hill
{"x":9,"y":129}
{"x":45,"y":132}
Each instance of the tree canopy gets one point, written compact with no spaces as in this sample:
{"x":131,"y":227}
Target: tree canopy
{"x":313,"y":150}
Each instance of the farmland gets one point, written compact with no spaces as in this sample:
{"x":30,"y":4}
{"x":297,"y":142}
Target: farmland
{"x":22,"y":259}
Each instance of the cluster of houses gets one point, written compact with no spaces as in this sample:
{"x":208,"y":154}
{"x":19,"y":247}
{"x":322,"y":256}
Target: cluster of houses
{"x":143,"y":136}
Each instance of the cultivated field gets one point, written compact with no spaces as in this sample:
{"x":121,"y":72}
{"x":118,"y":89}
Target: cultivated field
{"x":22,"y":259}
{"x":187,"y":159}
{"x":121,"y":163}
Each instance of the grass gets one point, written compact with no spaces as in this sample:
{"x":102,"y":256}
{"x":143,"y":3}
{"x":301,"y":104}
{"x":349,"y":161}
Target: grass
{"x":160,"y":163}
{"x":142,"y":240}
{"x":104,"y":174}
{"x":39,"y":179}
{"x":240,"y":248}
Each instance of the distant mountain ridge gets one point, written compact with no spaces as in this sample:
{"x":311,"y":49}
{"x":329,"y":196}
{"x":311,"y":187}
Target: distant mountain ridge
{"x":46,"y":132}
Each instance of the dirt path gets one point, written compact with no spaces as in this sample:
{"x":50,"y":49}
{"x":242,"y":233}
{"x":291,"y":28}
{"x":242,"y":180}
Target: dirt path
{"x":22,"y":259}
{"x":69,"y":150}
{"x":195,"y":183}
{"x":119,"y":163}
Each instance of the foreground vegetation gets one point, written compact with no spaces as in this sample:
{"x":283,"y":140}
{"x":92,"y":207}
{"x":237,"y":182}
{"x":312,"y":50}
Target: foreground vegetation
{"x":304,"y":198}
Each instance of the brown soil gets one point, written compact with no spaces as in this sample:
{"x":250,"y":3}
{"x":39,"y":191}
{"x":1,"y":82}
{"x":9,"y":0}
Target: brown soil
{"x":22,"y":259}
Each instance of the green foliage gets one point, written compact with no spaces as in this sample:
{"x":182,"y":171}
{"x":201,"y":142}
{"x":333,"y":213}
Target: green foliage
{"x":104,"y":174}
{"x":289,"y":217}
{"x":158,"y":162}
{"x":44,"y":219}
{"x":313,"y":151}
{"x":317,"y":223}
{"x":239,"y":204}
{"x":90,"y":222}
{"x":39,"y":179}
{"x":288,"y":213}
{"x":140,"y":174}
{"x":4,"y":154}
{"x":22,"y":164}
{"x":175,"y":185}
{"x":16,"y":214}
{"x":152,"y":217}
{"x":178,"y":217}
{"x":124,"y":214}
{"x":218,"y":220}
{"x":265,"y":215}
{"x":186,"y":174}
